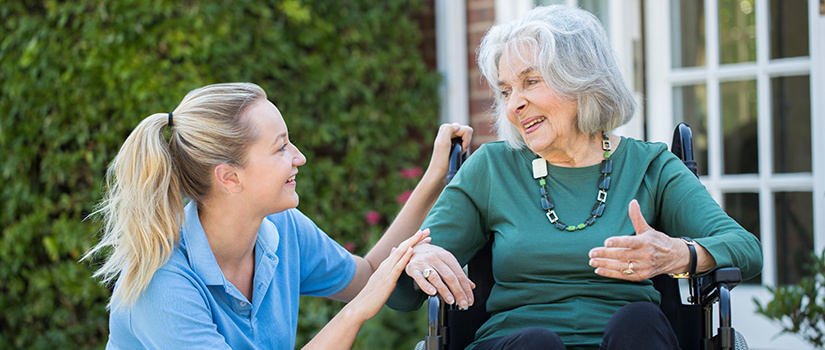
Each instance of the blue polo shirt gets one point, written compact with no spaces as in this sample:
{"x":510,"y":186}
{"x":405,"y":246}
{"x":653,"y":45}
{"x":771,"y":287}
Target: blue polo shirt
{"x":189,"y":304}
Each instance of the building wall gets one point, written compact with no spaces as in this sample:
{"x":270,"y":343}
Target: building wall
{"x":480,"y":17}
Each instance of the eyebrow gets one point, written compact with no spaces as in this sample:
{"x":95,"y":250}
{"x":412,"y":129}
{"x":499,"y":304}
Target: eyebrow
{"x":282,"y":135}
{"x":526,"y":71}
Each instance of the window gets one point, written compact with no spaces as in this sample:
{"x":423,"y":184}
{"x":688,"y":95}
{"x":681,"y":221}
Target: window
{"x":739,"y":72}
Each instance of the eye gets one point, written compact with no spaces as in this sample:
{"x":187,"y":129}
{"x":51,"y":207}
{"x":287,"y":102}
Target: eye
{"x":505,"y":93}
{"x":532,"y":81}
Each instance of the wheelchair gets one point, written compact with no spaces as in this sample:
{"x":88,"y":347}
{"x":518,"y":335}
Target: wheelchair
{"x":450,"y":328}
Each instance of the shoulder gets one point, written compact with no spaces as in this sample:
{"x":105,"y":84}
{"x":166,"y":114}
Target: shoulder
{"x":634,"y":146}
{"x":497,"y":148}
{"x":492,"y":154}
{"x":644,"y":154}
{"x":291,"y":219}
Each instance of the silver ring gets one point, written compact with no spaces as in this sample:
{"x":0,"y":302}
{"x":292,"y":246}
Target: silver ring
{"x":629,"y":270}
{"x":427,"y":272}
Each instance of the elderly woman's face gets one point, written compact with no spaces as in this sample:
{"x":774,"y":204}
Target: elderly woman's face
{"x":545,"y":121}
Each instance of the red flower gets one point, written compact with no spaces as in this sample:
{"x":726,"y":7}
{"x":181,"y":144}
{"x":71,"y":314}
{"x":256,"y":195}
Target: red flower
{"x":349,"y":246}
{"x":373,"y":217}
{"x":403,"y":197}
{"x":411,"y":173}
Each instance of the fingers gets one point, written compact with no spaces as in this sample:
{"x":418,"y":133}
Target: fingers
{"x":448,"y":279}
{"x":447,"y":132}
{"x":640,"y":226}
{"x":635,"y":212}
{"x":436,"y":271}
{"x":465,"y":132}
{"x":397,"y":254}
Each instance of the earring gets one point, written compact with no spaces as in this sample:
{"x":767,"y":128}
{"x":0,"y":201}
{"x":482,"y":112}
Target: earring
{"x":237,"y":188}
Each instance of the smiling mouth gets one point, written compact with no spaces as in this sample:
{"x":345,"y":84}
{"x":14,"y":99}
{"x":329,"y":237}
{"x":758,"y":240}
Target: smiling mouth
{"x":534,"y":122}
{"x":291,"y":178}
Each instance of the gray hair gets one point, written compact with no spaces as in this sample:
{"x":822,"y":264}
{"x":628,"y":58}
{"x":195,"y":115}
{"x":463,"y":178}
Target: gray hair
{"x":570,"y":49}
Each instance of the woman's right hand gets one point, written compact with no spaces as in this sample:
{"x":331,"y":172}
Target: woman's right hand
{"x":439,"y":163}
{"x":445,"y":275}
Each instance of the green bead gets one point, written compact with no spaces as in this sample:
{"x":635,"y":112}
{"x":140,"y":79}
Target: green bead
{"x":542,"y":182}
{"x":606,"y":154}
{"x":581,"y":226}
{"x":571,"y":228}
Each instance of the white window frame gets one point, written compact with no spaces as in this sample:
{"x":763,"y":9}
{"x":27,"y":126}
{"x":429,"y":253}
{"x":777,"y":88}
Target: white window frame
{"x":661,"y":79}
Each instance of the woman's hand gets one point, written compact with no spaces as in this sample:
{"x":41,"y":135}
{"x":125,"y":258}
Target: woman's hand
{"x":382,"y":282}
{"x":439,"y":163}
{"x":436,"y":270}
{"x":340,"y":332}
{"x":650,"y":252}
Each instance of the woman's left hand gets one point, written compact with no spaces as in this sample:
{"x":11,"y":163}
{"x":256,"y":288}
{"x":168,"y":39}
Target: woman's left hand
{"x":382,"y":282}
{"x":647,"y":254}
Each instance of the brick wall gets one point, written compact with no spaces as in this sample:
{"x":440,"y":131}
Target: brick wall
{"x":480,"y":17}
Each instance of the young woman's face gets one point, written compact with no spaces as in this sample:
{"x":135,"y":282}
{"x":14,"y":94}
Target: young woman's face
{"x":543,"y":119}
{"x":272,"y":162}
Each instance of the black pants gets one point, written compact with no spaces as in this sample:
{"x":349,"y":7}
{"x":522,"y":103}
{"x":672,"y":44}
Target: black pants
{"x":639,"y":325}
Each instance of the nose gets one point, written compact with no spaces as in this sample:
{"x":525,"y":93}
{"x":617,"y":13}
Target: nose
{"x":516,"y":104}
{"x":299,"y":159}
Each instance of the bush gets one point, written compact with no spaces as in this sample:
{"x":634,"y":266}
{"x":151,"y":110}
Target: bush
{"x":77,"y":76}
{"x":800,"y":309}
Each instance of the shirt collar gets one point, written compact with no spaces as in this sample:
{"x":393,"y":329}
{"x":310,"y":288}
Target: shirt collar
{"x":193,"y":239}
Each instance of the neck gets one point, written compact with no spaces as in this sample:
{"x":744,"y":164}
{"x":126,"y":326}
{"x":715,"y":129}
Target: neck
{"x":580,"y":151}
{"x":231,"y":232}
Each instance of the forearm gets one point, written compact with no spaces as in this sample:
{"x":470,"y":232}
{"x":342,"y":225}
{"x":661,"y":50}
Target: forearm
{"x":704,"y":260}
{"x":340,"y":332}
{"x":410,"y":217}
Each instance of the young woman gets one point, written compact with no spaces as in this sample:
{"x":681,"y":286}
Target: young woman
{"x":226,"y":270}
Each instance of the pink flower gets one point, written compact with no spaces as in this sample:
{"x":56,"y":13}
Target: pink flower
{"x":403,"y":197}
{"x":349,"y":246}
{"x":411,"y":173}
{"x":373,"y":217}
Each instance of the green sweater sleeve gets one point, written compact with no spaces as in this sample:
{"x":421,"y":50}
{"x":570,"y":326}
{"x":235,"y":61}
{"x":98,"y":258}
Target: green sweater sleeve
{"x":686,"y":209}
{"x":456,"y":223}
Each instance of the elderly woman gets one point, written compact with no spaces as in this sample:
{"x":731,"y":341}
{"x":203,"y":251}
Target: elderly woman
{"x":580,"y":218}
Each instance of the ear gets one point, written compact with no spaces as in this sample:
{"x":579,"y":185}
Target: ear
{"x":227,"y":178}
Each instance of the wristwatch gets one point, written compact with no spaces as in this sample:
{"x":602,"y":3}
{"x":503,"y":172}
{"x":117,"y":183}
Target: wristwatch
{"x":692,"y":249}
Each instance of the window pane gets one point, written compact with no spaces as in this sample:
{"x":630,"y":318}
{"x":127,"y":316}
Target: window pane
{"x":791,"y":124}
{"x":690,"y":106}
{"x":687,"y":21}
{"x":744,"y":208}
{"x":737,"y":31}
{"x":739,"y":127}
{"x":794,"y":235}
{"x":789,"y":28}
{"x":598,"y":8}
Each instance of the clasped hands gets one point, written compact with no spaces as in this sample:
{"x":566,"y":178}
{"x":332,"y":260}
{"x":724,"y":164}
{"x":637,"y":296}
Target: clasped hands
{"x":646,"y":254}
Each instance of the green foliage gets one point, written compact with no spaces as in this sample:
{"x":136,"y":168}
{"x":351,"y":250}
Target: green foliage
{"x":77,"y":76}
{"x":800,"y":309}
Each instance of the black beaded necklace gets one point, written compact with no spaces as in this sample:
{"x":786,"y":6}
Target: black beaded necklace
{"x":540,"y":173}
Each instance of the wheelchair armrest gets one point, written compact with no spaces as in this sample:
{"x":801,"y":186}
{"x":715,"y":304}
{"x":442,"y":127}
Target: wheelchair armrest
{"x":729,"y":277}
{"x":715,"y":287}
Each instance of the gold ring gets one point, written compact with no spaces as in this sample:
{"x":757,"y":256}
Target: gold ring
{"x":427,"y":272}
{"x":629,"y":270}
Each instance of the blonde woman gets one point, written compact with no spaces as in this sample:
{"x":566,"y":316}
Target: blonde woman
{"x":226,"y":270}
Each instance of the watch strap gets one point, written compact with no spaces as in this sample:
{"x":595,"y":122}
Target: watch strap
{"x":691,"y":244}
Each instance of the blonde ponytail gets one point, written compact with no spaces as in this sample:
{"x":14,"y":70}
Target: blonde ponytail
{"x":142,"y":209}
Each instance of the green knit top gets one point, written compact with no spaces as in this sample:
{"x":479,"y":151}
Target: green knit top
{"x":542,"y":274}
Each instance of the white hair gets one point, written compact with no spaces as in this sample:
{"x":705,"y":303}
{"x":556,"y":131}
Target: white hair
{"x":570,"y":49}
